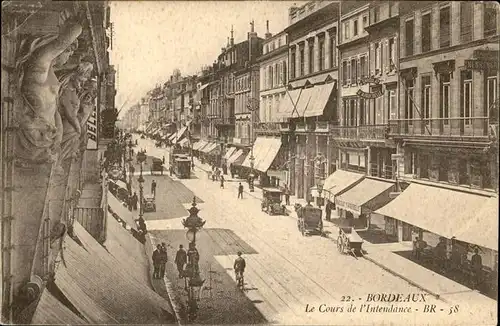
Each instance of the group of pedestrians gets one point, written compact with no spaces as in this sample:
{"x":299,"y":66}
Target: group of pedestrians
{"x":132,"y":202}
{"x":160,"y":259}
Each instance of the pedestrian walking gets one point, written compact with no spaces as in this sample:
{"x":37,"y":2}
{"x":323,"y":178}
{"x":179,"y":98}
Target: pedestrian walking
{"x":477,"y":268}
{"x":153,"y":188}
{"x":134,"y":201}
{"x":180,"y":260}
{"x":163,"y":259}
{"x":287,"y":195}
{"x":231,"y":168}
{"x":130,"y":202}
{"x":240,"y":191}
{"x":156,"y":262}
{"x":222,"y":181}
{"x":163,"y":159}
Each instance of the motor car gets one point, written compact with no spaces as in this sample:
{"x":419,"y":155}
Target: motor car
{"x":149,"y":204}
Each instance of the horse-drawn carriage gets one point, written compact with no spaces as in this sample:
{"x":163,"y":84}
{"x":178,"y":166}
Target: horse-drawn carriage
{"x":157,"y":165}
{"x":309,"y":219}
{"x":271,"y":202}
{"x":349,"y":241}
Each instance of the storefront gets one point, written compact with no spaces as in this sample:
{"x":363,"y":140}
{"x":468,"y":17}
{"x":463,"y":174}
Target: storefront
{"x":265,"y":150}
{"x":356,"y":204}
{"x":339,"y":182}
{"x":234,"y":162}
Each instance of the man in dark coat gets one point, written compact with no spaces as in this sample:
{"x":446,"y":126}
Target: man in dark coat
{"x":163,"y":259}
{"x":135,"y":199}
{"x":180,"y":260}
{"x":153,"y":188}
{"x":240,"y":191}
{"x":156,"y":261}
{"x":287,"y":195}
{"x":222,"y":181}
{"x":477,"y":268}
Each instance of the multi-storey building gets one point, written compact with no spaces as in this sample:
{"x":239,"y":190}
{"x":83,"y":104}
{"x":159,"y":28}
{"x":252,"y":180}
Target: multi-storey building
{"x":446,"y":125}
{"x":311,"y":100}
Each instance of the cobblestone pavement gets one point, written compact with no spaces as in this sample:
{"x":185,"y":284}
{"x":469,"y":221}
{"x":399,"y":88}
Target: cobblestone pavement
{"x":287,"y":273}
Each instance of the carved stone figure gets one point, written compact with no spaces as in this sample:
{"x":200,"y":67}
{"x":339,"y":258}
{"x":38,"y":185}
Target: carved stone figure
{"x":40,"y":126}
{"x":69,"y":106}
{"x":87,"y":107}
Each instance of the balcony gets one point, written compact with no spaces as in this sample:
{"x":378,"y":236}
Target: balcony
{"x":370,"y":132}
{"x":224,"y":121}
{"x":267,"y":128}
{"x":305,"y":127}
{"x":474,"y":127}
{"x":241,"y":141}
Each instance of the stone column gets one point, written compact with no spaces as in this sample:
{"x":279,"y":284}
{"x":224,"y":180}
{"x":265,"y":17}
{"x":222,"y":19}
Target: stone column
{"x":316,"y":54}
{"x":478,"y":26}
{"x":328,"y":45}
{"x":368,"y":161}
{"x":455,"y":22}
{"x":478,"y":106}
{"x":306,"y":57}
{"x":417,"y":28}
{"x":455,"y":105}
{"x":435,"y":104}
{"x":435,"y":28}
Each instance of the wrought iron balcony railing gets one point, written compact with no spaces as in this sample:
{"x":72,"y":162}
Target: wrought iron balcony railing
{"x":441,"y":127}
{"x":267,"y":127}
{"x":369,"y":132}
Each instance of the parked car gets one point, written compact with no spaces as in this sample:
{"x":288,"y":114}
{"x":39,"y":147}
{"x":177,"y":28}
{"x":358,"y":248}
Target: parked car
{"x":149,"y":204}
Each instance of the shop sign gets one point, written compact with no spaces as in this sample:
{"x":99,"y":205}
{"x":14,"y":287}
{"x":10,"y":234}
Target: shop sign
{"x":92,"y":130}
{"x":376,"y":94}
{"x":370,"y":80}
{"x":481,"y":65}
{"x":348,"y":206}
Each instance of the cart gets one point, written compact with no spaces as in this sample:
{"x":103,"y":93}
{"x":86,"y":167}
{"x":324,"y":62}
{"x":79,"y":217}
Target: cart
{"x":271,"y":202}
{"x":157,"y":165}
{"x":309,"y":219}
{"x":349,"y":241}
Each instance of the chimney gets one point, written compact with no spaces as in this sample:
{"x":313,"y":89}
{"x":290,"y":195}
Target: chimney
{"x":268,"y":35}
{"x":232,"y":36}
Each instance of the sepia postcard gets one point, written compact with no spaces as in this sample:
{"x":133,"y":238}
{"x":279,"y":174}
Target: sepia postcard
{"x":249,"y":162}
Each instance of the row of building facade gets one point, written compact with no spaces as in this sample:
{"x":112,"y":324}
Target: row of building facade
{"x":52,"y":177}
{"x":395,"y":91}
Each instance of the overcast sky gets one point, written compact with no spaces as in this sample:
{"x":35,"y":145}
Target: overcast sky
{"x":152,"y":38}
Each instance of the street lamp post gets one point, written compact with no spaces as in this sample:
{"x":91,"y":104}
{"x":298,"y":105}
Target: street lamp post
{"x":192,"y":276}
{"x":252,"y":110}
{"x":130,"y":166}
{"x":141,"y":157}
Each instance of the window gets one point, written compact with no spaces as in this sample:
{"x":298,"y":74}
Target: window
{"x":377,"y":58}
{"x":444,"y":27}
{"x":466,"y":96}
{"x":362,"y":113}
{"x":333,"y":50}
{"x":392,"y":103}
{"x":355,"y":28}
{"x":346,"y":31}
{"x":490,"y":18}
{"x":491,"y":96}
{"x":392,"y":55}
{"x":354,"y":71}
{"x":321,"y":54}
{"x":292,"y":65}
{"x":409,"y":100}
{"x":466,"y":17}
{"x":444,"y":109}
{"x":352,"y":113}
{"x":363,"y":67}
{"x":277,"y":72}
{"x":365,"y":21}
{"x":279,"y":42}
{"x":284,"y":80}
{"x":409,"y":37}
{"x":426,"y":98}
{"x":426,"y":32}
{"x":311,"y":57}
{"x":345,"y":76}
{"x":301,"y":59}
{"x":346,"y":113}
{"x":270,"y":79}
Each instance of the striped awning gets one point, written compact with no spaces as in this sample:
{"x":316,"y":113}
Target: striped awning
{"x":230,"y":151}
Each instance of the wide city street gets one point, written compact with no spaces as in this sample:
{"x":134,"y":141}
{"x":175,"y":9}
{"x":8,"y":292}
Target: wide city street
{"x":286,"y":273}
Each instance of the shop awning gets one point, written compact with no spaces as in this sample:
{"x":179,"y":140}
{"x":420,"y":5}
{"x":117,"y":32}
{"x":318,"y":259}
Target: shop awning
{"x":204,"y":145}
{"x":122,"y":211}
{"x":202,"y":87}
{"x":237,"y":158}
{"x":268,"y":154}
{"x":210,"y":147}
{"x":183,"y":142}
{"x":305,"y":99}
{"x":103,"y":292}
{"x":200,"y":145}
{"x":230,"y":151}
{"x":319,"y":98}
{"x":51,"y":311}
{"x":438,"y":210}
{"x":286,"y":106}
{"x":339,"y":181}
{"x":259,"y":146}
{"x":196,"y":145}
{"x":365,"y":197}
{"x":482,"y":229}
{"x":119,"y":183}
